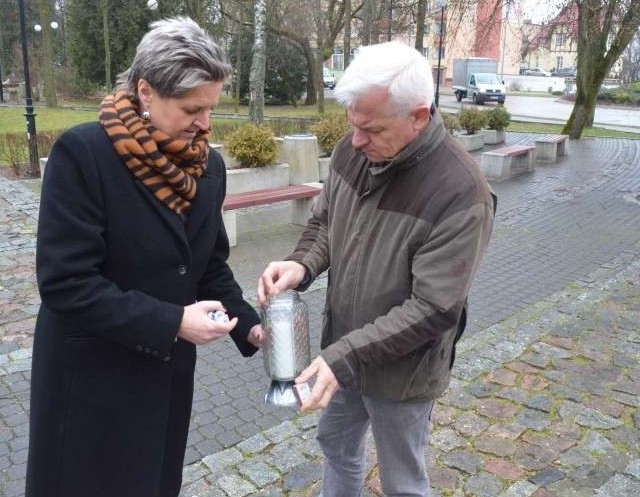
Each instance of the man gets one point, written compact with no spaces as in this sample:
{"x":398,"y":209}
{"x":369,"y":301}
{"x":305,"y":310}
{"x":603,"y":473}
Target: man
{"x":401,"y":224}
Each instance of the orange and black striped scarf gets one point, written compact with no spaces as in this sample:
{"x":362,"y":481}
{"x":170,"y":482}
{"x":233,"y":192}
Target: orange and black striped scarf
{"x":165,"y":165}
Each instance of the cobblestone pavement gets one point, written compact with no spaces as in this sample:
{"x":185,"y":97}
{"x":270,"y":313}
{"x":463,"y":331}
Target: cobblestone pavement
{"x":546,"y":388}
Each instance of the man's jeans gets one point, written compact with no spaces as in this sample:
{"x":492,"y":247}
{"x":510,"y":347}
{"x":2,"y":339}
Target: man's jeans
{"x":401,"y":434}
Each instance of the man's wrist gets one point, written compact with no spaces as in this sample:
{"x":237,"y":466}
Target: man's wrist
{"x":306,"y":281}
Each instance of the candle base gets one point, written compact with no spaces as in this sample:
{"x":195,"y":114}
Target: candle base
{"x":281,"y":394}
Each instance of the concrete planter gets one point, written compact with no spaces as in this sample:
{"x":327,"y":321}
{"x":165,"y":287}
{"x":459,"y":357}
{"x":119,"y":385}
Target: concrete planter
{"x":42,"y":163}
{"x":229,"y":161}
{"x":471,"y":142}
{"x":301,"y":152}
{"x":323,"y":167}
{"x":494,"y":136}
{"x":300,"y":164}
{"x":247,"y":179}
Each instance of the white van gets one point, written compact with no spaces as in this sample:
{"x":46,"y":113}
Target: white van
{"x":328,"y":78}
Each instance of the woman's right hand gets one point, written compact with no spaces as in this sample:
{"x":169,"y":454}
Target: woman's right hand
{"x":198,"y":328}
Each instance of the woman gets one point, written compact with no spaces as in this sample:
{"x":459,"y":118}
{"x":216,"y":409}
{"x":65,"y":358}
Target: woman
{"x":131,"y":261}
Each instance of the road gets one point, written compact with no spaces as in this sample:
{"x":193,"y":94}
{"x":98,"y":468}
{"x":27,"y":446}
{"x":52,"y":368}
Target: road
{"x":555,"y":110}
{"x":547,"y":110}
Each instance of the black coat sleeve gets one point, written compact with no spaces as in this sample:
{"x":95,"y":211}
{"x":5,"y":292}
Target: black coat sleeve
{"x":218,"y":282}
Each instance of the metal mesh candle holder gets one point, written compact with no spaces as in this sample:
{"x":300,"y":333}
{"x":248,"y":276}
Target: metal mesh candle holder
{"x":286,"y":352}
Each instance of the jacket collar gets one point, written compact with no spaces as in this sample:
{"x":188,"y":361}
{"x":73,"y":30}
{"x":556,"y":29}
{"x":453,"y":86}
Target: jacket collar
{"x":423,"y":145}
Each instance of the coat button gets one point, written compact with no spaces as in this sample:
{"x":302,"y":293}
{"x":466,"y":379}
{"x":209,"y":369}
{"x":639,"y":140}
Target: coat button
{"x":166,"y":358}
{"x":182,"y":269}
{"x":139,"y":348}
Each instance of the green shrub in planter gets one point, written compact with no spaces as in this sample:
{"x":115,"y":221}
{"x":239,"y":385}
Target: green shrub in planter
{"x":329,"y":130}
{"x":450,"y":122}
{"x":252,"y":145}
{"x":498,"y":118}
{"x":472,"y":120}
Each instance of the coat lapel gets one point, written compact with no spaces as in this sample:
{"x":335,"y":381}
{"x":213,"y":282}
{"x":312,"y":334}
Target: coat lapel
{"x":170,"y":218}
{"x":203,"y":205}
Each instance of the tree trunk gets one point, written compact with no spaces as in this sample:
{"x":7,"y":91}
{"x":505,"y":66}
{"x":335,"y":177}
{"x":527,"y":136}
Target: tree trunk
{"x":346,"y":52}
{"x":46,"y":16}
{"x":311,"y":98}
{"x":420,"y":15}
{"x":107,"y":44}
{"x":258,"y":63}
{"x":320,"y":79}
{"x":581,"y":115}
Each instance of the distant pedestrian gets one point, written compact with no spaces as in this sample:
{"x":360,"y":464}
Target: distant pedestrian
{"x":401,"y":225}
{"x":131,"y":261}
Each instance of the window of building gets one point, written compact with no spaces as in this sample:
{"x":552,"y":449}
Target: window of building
{"x":337,"y":62}
{"x":561,"y":39}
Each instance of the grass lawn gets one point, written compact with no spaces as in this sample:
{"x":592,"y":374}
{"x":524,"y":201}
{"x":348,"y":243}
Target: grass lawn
{"x":12,"y":119}
{"x":527,"y":127}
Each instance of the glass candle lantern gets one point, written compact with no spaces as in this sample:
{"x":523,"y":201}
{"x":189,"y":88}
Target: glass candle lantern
{"x":286,"y":352}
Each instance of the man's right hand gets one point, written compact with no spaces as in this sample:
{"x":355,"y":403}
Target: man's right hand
{"x":278,"y":277}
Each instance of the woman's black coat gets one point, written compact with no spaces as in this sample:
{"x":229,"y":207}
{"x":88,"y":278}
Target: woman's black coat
{"x":110,"y":388}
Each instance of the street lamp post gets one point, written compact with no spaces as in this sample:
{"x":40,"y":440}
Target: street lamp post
{"x":31,"y":117}
{"x":442,"y":4}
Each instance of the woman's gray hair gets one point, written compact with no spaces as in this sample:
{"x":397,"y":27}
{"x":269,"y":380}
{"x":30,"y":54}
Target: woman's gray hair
{"x":395,"y":66}
{"x":174,"y":57}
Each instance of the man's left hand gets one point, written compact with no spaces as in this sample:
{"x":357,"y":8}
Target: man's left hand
{"x":325,"y":385}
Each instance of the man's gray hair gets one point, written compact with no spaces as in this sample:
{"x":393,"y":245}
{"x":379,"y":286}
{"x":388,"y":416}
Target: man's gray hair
{"x":174,"y":57}
{"x":395,"y":66}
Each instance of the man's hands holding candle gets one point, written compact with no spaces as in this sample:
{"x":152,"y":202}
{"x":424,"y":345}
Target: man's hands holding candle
{"x":324,"y":387}
{"x":287,"y":275}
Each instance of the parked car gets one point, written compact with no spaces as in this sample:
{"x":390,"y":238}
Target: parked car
{"x":536,"y":71}
{"x":565,"y":72}
{"x":328,"y":79}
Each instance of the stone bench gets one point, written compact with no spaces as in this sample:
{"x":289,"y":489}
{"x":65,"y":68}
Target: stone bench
{"x":303,"y":195}
{"x":502,"y":163}
{"x":550,"y":147}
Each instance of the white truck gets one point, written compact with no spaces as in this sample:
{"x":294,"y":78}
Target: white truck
{"x":477,"y":78}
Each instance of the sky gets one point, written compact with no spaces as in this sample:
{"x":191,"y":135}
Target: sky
{"x":540,"y":10}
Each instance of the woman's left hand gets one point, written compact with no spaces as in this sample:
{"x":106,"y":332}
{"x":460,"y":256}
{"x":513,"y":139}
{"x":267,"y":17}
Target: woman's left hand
{"x":256,"y":336}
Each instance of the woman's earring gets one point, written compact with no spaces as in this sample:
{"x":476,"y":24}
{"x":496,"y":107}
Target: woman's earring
{"x":145,"y":115}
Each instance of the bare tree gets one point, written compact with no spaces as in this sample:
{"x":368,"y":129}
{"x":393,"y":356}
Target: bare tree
{"x":314,"y":26}
{"x":258,"y":62}
{"x":605,"y":29}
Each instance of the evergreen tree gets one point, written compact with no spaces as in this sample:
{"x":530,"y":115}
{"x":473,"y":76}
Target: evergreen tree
{"x":285,"y":72}
{"x":126,"y":23}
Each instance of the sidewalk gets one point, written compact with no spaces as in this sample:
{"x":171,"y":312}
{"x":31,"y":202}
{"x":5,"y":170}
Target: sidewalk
{"x":543,"y":404}
{"x":546,"y":385}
